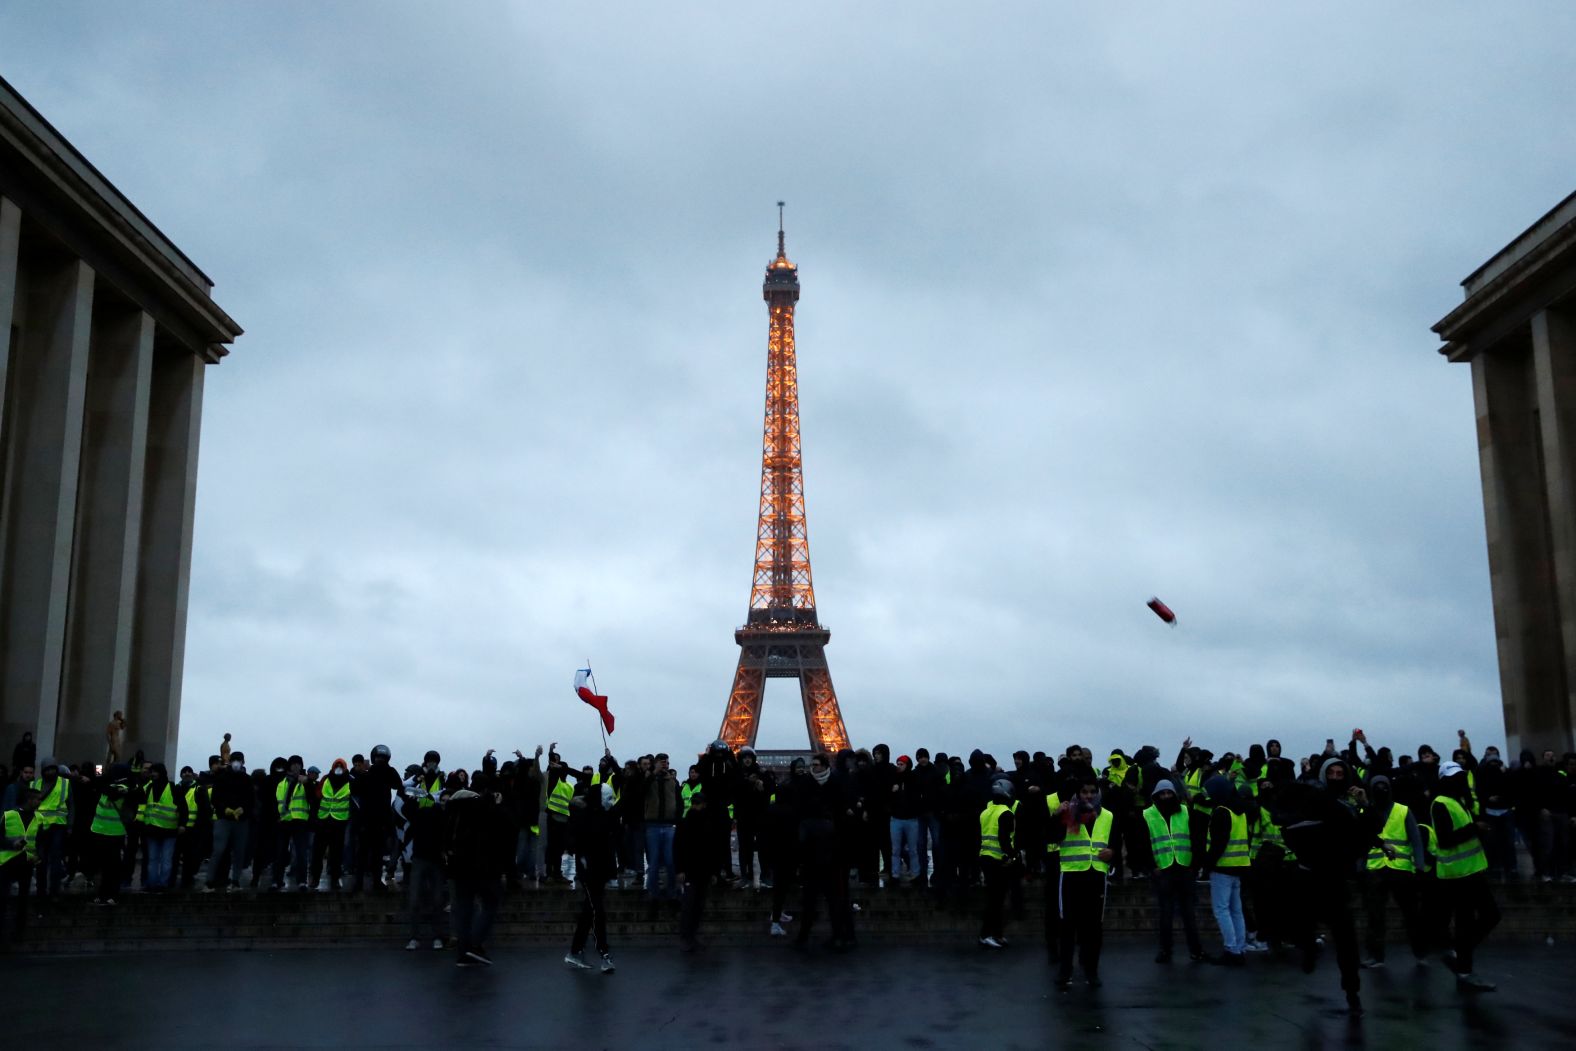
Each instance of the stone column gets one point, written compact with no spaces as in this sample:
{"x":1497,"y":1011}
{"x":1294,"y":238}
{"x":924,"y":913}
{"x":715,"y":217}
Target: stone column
{"x":169,"y":500}
{"x":47,"y":384}
{"x":109,"y":523}
{"x":1554,"y":364}
{"x":10,"y":241}
{"x":1526,"y":613}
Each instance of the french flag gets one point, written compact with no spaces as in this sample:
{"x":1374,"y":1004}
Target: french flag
{"x":584,"y":692}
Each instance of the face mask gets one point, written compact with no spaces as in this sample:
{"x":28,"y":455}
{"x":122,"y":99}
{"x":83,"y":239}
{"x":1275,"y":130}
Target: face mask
{"x":339,"y":771}
{"x":431,"y":767}
{"x":237,"y":767}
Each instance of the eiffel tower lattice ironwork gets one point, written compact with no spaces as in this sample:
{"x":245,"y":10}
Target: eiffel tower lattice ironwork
{"x":782,"y":637}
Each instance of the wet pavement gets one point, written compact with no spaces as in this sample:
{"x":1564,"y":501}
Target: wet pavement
{"x":767,"y":997}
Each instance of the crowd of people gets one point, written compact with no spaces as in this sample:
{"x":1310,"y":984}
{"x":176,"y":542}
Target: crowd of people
{"x":1278,"y":842}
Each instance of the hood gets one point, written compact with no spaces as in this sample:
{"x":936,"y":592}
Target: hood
{"x":1220,"y":790}
{"x":1324,"y":770}
{"x":1146,"y":754}
{"x":1164,"y":786}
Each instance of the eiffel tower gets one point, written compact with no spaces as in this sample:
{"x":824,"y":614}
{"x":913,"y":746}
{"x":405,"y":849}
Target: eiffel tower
{"x":782,"y":637}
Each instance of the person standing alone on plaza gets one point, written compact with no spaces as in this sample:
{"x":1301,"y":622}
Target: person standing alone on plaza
{"x":1171,"y":846}
{"x":593,"y":828}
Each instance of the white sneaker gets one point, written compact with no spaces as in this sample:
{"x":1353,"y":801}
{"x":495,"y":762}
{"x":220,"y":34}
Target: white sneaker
{"x":990,"y":943}
{"x":574,"y":959}
{"x":437,"y":943}
{"x":786,"y":918}
{"x":778,"y":931}
{"x":1255,"y":947}
{"x":412,"y":944}
{"x":607,"y":964}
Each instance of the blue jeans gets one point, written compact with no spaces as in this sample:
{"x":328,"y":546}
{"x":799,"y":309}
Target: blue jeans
{"x":929,"y":841}
{"x":1225,"y":897}
{"x":228,"y":835}
{"x":659,"y":855}
{"x":905,"y":840}
{"x":161,"y":855}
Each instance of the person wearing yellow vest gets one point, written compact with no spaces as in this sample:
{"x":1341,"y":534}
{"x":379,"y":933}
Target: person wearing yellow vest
{"x":162,"y":810}
{"x":1227,"y":858}
{"x":1461,"y":867}
{"x":293,"y":802}
{"x":333,"y":824}
{"x":1082,"y":828}
{"x":560,"y":791}
{"x":1391,"y":868}
{"x":1171,"y":847}
{"x":998,"y":858}
{"x":111,"y":812}
{"x":18,"y":853}
{"x":55,"y":814}
{"x":196,"y":827}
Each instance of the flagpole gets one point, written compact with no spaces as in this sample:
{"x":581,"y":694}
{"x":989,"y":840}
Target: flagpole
{"x":599,"y":723}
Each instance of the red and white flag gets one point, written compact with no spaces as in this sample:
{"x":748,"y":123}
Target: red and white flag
{"x":598,"y":701}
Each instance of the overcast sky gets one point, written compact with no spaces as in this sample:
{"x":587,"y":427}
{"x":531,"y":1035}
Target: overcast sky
{"x":1099,"y":302}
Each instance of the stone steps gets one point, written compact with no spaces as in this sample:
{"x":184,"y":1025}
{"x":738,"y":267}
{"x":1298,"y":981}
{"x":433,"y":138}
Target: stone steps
{"x":546,"y":916}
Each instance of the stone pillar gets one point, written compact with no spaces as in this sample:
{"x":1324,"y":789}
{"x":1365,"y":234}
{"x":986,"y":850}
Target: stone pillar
{"x":1520,"y":554}
{"x":169,"y":500}
{"x":1554,"y":364}
{"x":47,"y":384}
{"x":109,"y":523}
{"x":10,"y":239}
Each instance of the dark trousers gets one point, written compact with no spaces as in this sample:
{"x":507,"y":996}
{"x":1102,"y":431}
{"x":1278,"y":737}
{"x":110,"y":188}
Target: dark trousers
{"x":1379,"y":886}
{"x":825,"y":876}
{"x":1470,"y":909}
{"x":328,"y":841}
{"x":110,"y":852}
{"x":424,"y":898}
{"x":784,"y":852}
{"x":557,"y":844}
{"x":997,"y":877}
{"x":1082,"y":922}
{"x":1052,"y":867}
{"x":475,"y":905}
{"x":1323,"y":898}
{"x":593,"y":914}
{"x":371,"y":839}
{"x":190,"y":849}
{"x":692,"y":908}
{"x":17,"y":871}
{"x":294,"y":844}
{"x":880,"y":848}
{"x":51,"y":859}
{"x":1173,"y":897}
{"x":749,"y":846}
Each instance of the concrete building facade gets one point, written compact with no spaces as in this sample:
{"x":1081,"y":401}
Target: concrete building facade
{"x":106,"y":328}
{"x":1517,"y":330}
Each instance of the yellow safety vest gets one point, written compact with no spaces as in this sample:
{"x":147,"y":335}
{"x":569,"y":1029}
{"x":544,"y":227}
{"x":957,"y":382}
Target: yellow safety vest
{"x":159,"y":811}
{"x":1172,"y":843}
{"x":16,"y":828}
{"x":558,"y":799}
{"x":596,"y":779}
{"x":1238,"y":854}
{"x":193,"y":811}
{"x":1053,"y":803}
{"x":1080,"y":850}
{"x":335,"y":806}
{"x":106,"y":818}
{"x":991,"y":845}
{"x":1468,"y":858}
{"x":293,"y":802}
{"x":429,"y":800}
{"x":1266,"y":832}
{"x":686,"y":790}
{"x":1393,"y":833}
{"x":52,"y":809}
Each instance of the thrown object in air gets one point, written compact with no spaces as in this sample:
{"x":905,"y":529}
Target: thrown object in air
{"x":1163,"y":611}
